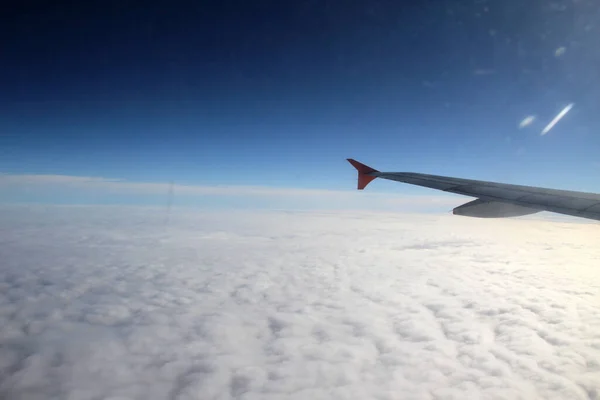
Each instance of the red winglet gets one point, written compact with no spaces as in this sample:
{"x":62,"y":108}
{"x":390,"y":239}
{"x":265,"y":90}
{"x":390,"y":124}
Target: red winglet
{"x":363,"y":171}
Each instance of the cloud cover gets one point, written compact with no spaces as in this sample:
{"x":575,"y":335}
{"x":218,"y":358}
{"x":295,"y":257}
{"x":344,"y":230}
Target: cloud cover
{"x":119,"y":303}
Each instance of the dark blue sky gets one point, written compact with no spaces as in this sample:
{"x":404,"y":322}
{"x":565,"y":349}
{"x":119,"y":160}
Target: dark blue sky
{"x":279,"y":93}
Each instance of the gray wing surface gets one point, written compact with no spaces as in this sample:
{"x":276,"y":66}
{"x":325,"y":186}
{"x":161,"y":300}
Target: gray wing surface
{"x":495,"y":199}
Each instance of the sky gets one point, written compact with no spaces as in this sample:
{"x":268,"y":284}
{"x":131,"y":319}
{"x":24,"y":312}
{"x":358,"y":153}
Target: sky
{"x":115,"y":303}
{"x":278,"y":94}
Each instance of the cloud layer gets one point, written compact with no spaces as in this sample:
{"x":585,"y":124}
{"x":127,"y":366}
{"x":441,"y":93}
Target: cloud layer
{"x":65,"y":189}
{"x":119,"y":303}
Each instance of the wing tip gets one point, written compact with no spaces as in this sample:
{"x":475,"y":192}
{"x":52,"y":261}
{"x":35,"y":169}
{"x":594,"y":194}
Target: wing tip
{"x":363,"y":173}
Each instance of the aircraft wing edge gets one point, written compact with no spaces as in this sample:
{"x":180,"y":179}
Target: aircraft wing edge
{"x":490,"y":195}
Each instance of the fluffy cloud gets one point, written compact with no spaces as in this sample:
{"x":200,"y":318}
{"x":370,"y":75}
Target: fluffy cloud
{"x":119,"y":303}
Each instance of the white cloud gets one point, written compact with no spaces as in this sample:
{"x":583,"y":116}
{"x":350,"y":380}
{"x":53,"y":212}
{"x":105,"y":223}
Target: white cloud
{"x":32,"y":179}
{"x":118,"y":185}
{"x":101,"y":190}
{"x":113,"y":303}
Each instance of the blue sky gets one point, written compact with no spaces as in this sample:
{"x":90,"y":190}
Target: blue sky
{"x":278,"y":94}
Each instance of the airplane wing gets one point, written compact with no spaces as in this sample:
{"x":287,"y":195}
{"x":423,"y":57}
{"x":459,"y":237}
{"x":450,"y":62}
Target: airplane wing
{"x":494,"y":200}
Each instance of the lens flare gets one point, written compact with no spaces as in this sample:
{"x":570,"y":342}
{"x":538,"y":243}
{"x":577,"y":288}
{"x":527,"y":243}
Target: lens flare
{"x":558,"y":117}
